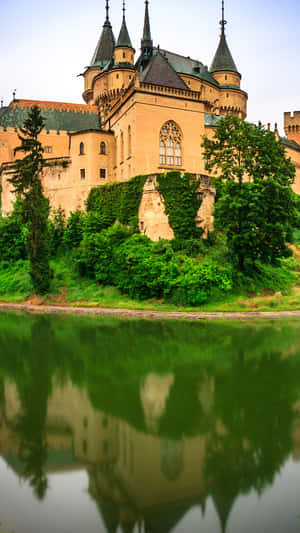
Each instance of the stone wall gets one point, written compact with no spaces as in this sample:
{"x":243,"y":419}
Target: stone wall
{"x":153,"y":220}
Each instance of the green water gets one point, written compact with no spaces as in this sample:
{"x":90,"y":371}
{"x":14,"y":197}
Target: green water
{"x":110,"y":425}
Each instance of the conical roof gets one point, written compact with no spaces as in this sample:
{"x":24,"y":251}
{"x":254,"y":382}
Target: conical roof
{"x":146,"y":33}
{"x":124,"y":39}
{"x":223,"y":59}
{"x":105,"y":46}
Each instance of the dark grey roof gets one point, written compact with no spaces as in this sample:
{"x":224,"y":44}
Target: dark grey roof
{"x":124,"y":39}
{"x":105,"y":47}
{"x":160,"y":72}
{"x":290,"y":144}
{"x":57,"y":115}
{"x":211,"y":120}
{"x":186,"y":65}
{"x":223,"y":59}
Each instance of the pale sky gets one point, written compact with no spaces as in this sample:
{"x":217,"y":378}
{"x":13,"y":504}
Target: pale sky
{"x":45,"y":45}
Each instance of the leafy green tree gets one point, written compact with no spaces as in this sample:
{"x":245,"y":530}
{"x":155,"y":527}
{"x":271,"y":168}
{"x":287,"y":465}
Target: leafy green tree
{"x":254,"y":204}
{"x":35,"y":207}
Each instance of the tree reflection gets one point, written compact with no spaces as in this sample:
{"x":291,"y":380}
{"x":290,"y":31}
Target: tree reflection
{"x":34,"y":387}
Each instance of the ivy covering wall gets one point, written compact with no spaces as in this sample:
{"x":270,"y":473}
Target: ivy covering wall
{"x":181,"y":202}
{"x":121,"y":201}
{"x":118,"y":201}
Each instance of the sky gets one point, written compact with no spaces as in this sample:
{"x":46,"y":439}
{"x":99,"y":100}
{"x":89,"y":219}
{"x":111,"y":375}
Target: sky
{"x":44,"y":46}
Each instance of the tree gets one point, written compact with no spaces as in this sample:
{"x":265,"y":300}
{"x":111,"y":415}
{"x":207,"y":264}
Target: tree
{"x":35,"y":207}
{"x":254,"y":204}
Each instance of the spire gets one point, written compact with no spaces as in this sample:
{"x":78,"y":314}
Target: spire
{"x":147,"y":43}
{"x":105,"y":46}
{"x":124,"y":39}
{"x":223,"y":59}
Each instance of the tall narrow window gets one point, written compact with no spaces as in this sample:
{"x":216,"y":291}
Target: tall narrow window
{"x":82,"y":173}
{"x":129,"y":141}
{"x":81,"y":149}
{"x":170,"y":147}
{"x":170,"y":151}
{"x":102,"y":148}
{"x":122,"y":146}
{"x":162,"y":153}
{"x":178,"y":155}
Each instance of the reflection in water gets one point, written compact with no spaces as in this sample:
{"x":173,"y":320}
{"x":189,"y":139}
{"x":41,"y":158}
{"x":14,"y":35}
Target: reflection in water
{"x":156,"y":434}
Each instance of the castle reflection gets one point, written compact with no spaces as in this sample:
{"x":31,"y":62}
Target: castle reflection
{"x":146,"y":472}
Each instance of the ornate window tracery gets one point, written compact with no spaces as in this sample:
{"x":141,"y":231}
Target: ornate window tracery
{"x":170,"y":147}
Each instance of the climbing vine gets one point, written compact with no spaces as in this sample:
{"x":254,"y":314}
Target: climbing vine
{"x":181,"y":202}
{"x":118,"y":201}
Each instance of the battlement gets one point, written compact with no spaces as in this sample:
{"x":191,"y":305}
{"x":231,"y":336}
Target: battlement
{"x":292,"y":125}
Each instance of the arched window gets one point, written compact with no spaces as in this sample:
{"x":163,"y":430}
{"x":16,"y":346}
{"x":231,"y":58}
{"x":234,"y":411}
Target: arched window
{"x":170,"y":147}
{"x":122,"y":146}
{"x":81,"y":149}
{"x":102,"y":148}
{"x":129,"y":141}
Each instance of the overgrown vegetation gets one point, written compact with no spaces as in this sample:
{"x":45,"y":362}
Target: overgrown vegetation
{"x":255,"y":206}
{"x":182,"y":201}
{"x":100,"y":254}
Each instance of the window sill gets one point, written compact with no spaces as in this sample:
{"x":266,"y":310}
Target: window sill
{"x":171,"y":167}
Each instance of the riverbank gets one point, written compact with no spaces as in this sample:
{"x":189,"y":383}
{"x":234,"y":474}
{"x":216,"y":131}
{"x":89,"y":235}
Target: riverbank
{"x":146,"y":314}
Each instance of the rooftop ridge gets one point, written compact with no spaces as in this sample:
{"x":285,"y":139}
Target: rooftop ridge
{"x":55,"y":105}
{"x":179,"y":55}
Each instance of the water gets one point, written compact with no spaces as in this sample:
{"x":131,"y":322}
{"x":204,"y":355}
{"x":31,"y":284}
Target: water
{"x":137,"y":426}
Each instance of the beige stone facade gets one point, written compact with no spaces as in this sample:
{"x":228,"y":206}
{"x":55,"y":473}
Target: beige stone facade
{"x":142,"y":116}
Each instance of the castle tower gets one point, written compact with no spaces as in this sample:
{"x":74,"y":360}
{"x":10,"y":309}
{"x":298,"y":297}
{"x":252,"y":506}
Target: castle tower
{"x":292,"y":126}
{"x":223,"y":67}
{"x":103,"y":55}
{"x":146,"y":42}
{"x":124,"y":51}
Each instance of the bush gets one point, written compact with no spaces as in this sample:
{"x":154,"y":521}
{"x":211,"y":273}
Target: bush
{"x":143,"y":269}
{"x":73,"y":234}
{"x":13,"y":237}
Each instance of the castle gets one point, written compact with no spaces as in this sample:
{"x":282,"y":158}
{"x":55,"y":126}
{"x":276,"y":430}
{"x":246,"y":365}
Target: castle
{"x":143,"y":116}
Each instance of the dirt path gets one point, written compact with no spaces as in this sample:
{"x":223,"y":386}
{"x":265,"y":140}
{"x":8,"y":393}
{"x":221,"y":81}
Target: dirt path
{"x":146,"y":314}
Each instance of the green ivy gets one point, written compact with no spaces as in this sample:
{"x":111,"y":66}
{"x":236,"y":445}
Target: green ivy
{"x":181,"y":202}
{"x":117,"y":201}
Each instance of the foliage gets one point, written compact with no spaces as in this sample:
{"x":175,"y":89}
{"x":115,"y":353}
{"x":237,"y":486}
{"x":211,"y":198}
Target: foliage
{"x":15,"y":279}
{"x":13,"y":236}
{"x":117,"y":202}
{"x":74,"y":230}
{"x":254,"y":206}
{"x":256,"y":218}
{"x":56,"y":229}
{"x":181,"y":202}
{"x":35,"y":207}
{"x":143,"y":269}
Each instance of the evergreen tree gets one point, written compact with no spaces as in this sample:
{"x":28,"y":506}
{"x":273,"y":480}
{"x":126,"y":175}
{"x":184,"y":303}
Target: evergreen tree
{"x":255,"y":205}
{"x":35,"y":207}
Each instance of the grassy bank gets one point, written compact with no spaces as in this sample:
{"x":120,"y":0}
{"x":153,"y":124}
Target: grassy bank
{"x":69,"y":288}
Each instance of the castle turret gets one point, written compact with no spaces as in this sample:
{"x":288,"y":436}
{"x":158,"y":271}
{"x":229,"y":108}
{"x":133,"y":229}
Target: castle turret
{"x":223,"y":67}
{"x":124,"y":51}
{"x":105,"y":46}
{"x":102,"y":57}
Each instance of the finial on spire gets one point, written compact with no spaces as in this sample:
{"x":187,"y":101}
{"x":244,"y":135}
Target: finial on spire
{"x":107,"y":10}
{"x":124,"y":8}
{"x":223,"y":22}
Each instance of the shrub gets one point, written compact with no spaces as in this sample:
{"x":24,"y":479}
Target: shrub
{"x":13,"y":237}
{"x":74,"y":230}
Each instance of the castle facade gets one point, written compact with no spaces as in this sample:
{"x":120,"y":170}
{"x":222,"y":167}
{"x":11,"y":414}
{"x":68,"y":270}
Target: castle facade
{"x":143,"y":115}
